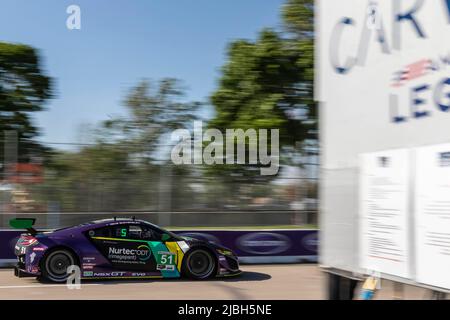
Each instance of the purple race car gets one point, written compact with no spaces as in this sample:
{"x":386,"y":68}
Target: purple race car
{"x":118,"y":248}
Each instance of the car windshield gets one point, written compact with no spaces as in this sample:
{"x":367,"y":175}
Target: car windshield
{"x":162,"y":231}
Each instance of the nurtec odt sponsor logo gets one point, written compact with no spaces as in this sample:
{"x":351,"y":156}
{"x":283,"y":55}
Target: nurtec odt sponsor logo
{"x":263,"y":243}
{"x":141,"y":253}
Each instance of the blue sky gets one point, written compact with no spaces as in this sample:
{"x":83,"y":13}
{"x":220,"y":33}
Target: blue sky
{"x":123,"y":41}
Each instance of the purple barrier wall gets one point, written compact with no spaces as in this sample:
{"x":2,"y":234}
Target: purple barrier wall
{"x":264,"y":245}
{"x":251,"y":246}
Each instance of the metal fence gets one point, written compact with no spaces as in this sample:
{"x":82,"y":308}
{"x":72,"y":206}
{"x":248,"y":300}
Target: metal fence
{"x":220,"y":219}
{"x":91,"y":181}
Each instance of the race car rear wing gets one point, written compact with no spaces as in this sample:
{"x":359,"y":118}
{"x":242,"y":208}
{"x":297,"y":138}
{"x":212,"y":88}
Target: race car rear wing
{"x":24,"y":223}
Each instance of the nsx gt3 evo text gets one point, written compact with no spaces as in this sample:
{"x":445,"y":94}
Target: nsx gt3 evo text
{"x":118,"y":248}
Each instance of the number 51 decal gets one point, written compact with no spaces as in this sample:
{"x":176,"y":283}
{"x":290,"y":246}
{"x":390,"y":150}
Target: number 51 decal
{"x":166,"y":261}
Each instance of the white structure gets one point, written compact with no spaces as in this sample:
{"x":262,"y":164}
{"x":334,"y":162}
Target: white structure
{"x":383,"y":83}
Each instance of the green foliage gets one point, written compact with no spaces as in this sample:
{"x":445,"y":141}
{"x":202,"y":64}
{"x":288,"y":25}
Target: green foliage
{"x":152,"y":115}
{"x":121,"y":159}
{"x":298,"y":17}
{"x":23,"y":90}
{"x":92,"y":178}
{"x":265,"y":84}
{"x":268,"y":83}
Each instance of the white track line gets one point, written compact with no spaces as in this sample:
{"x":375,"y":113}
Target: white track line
{"x":47,"y":286}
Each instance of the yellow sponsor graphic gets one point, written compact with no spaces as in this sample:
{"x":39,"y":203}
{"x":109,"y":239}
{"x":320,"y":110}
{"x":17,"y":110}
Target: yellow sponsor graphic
{"x":175,"y":248}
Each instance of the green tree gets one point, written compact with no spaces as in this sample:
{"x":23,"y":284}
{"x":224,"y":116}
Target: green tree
{"x":118,"y":169}
{"x":89,"y":180}
{"x":298,"y":17}
{"x":24,"y":89}
{"x":152,"y":114}
{"x":268,"y":83}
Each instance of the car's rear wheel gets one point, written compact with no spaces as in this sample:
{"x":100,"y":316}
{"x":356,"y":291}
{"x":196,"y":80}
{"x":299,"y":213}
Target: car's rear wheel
{"x":199,"y":264}
{"x":54,"y":267}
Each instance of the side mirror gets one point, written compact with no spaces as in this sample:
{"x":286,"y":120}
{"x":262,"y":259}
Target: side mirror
{"x":165,"y":237}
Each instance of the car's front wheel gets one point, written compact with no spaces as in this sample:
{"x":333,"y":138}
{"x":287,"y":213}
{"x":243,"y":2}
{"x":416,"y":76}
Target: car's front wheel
{"x":199,"y":264}
{"x":55,"y":264}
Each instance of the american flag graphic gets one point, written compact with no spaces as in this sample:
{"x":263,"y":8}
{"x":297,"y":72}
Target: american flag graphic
{"x":411,"y":72}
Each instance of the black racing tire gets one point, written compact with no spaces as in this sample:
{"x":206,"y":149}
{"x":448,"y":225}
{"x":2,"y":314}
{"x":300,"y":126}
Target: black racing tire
{"x":54,"y":265}
{"x":199,"y":264}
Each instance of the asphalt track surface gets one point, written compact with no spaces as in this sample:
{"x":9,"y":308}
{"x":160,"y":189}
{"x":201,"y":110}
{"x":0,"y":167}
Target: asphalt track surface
{"x":293,"y":281}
